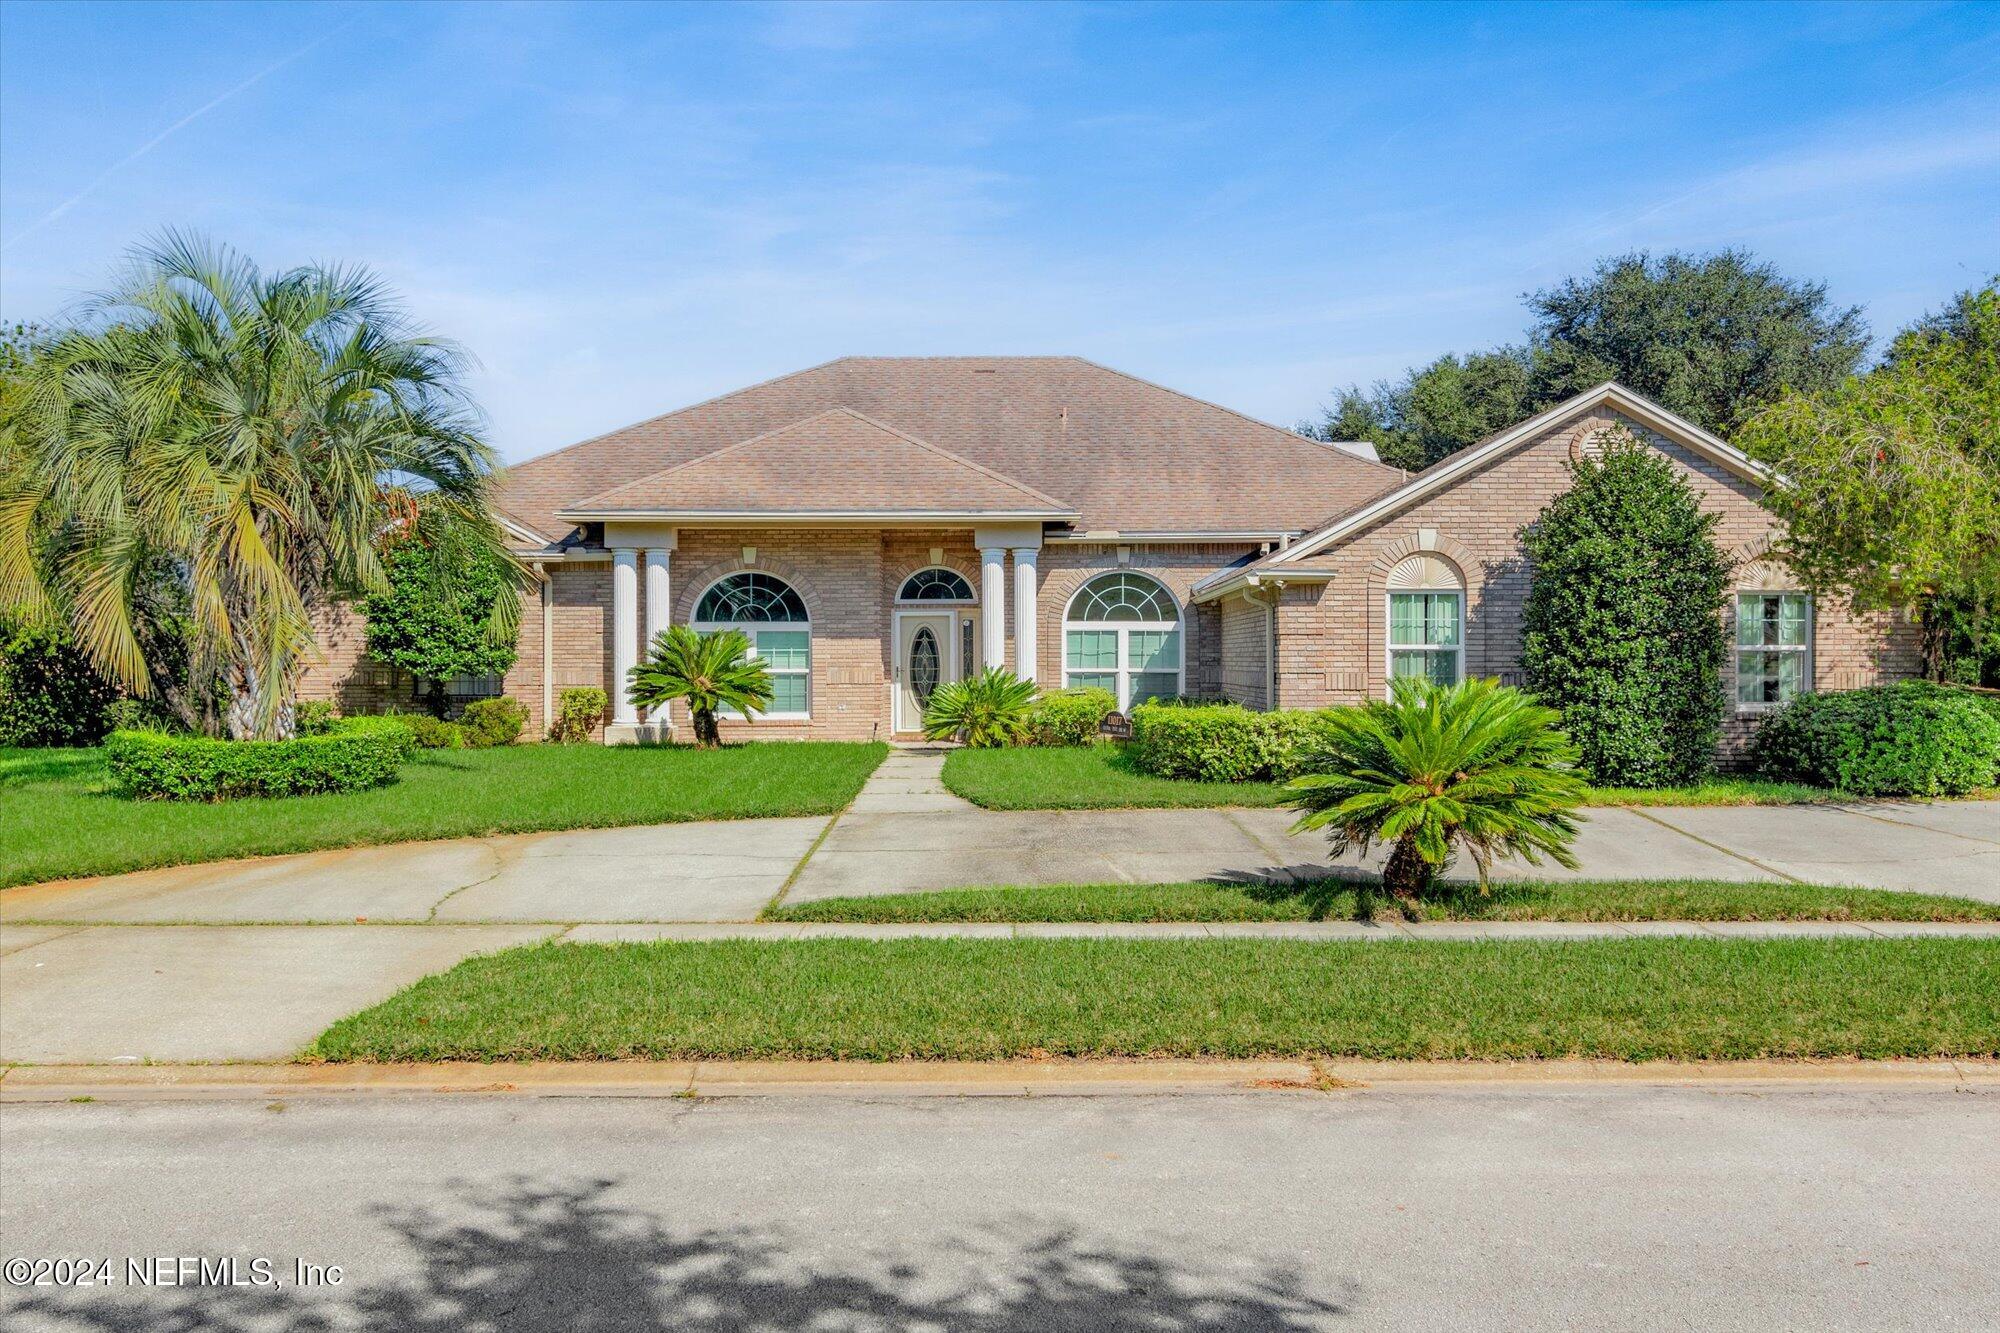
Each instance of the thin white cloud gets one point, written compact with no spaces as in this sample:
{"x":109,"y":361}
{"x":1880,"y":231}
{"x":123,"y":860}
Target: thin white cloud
{"x":164,"y":135}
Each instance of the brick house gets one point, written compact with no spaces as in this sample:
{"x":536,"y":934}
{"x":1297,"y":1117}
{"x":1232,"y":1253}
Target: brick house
{"x":880,"y":525}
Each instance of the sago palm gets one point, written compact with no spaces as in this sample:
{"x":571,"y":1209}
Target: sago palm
{"x":1435,"y":769}
{"x":710,"y":671}
{"x":243,"y":437}
{"x":984,"y":711}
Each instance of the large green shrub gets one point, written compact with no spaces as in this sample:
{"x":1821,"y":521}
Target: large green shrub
{"x":1070,"y":717}
{"x":578,"y":711}
{"x":49,"y":693}
{"x":358,"y":753}
{"x":442,"y":613}
{"x":1623,"y":631}
{"x":491,"y":722}
{"x":1911,"y":739}
{"x":1222,"y":742}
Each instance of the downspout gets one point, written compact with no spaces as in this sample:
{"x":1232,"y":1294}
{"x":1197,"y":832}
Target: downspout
{"x":548,"y":644}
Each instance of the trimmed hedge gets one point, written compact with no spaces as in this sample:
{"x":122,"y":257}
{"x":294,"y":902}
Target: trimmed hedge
{"x":1069,"y":717}
{"x":1222,"y":742}
{"x":1910,"y":739}
{"x":491,"y":722}
{"x":358,"y":753}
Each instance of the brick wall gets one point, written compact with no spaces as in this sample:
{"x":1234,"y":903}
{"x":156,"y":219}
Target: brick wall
{"x":1246,"y":658}
{"x":1333,"y":638}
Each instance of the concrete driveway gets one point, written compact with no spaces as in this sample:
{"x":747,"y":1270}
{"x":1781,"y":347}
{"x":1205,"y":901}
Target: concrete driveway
{"x":250,"y":959}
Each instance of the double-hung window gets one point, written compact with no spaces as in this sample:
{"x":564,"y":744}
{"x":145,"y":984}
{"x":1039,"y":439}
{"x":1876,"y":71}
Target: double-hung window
{"x":1773,"y":648}
{"x":1426,"y":636}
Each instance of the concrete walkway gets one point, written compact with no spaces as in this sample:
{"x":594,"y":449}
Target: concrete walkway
{"x":248,"y":960}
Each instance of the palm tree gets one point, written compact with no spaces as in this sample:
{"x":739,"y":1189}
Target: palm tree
{"x":710,"y":671}
{"x":1476,"y":766}
{"x":984,"y":711}
{"x":242,"y":438}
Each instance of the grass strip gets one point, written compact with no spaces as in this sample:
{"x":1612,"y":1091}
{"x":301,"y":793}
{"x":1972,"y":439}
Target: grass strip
{"x":1341,"y":900}
{"x":59,"y":819}
{"x":1635,"y":999}
{"x":1102,"y":777}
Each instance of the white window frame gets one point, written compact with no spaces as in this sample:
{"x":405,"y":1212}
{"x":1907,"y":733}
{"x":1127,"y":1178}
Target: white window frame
{"x":750,"y":629}
{"x":1737,"y":650}
{"x":1123,"y":672}
{"x":1391,"y":648}
{"x":970,"y":599}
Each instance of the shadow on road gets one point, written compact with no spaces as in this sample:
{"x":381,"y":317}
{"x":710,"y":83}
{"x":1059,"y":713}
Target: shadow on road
{"x":545,"y":1256}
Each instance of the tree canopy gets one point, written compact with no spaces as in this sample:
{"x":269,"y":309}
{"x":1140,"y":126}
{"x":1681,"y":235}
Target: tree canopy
{"x":231,"y":444}
{"x":1890,"y":487}
{"x":1711,"y":337}
{"x":444,"y":611}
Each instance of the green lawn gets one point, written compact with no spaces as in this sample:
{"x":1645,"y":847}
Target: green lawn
{"x":1337,"y":900}
{"x":58,"y":819}
{"x":1635,"y":999}
{"x":1083,"y":777}
{"x":1101,"y":777}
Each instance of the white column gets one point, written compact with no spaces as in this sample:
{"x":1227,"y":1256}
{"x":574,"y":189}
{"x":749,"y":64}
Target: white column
{"x":659,"y":606}
{"x":1024,"y":612}
{"x":659,"y":596}
{"x":993,"y":606}
{"x":624,"y":634}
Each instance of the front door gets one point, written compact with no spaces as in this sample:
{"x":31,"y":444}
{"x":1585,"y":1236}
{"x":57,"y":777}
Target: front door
{"x":930,"y":650}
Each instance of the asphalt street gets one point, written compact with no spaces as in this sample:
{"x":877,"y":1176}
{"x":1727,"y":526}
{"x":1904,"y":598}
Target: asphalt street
{"x":1466,"y":1207}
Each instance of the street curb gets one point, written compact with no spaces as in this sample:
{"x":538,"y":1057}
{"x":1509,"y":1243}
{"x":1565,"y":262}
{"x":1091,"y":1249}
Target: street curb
{"x":1003,"y":1078}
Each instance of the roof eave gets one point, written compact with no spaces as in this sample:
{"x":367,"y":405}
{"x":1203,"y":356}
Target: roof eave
{"x":1224,"y":582}
{"x":1616,"y":395}
{"x":817,"y":517}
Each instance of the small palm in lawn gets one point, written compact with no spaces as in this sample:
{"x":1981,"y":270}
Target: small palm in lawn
{"x":1475,"y":766}
{"x":710,"y":671}
{"x":984,"y":711}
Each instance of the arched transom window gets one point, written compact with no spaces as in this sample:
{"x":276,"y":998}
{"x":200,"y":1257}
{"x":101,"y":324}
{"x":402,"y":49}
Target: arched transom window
{"x":1427,"y":620}
{"x":935,"y":585}
{"x":773,"y":617}
{"x":1123,"y":631}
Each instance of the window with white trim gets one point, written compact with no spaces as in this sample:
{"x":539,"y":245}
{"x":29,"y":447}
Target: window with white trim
{"x":1426,"y":613}
{"x":1122,"y":632}
{"x":773,"y":617}
{"x":1773,"y":648}
{"x":1424,"y":636}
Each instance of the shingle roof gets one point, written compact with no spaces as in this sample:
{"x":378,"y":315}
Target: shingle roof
{"x":838,"y":461}
{"x":1123,"y":453}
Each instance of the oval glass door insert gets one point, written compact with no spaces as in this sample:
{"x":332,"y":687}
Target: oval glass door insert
{"x":924,"y":663}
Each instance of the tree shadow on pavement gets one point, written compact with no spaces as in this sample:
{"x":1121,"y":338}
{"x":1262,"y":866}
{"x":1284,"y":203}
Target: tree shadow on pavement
{"x":539,"y":1256}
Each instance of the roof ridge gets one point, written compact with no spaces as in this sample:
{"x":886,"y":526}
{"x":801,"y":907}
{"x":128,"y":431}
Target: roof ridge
{"x":947,"y":454}
{"x":838,"y":409}
{"x":1220,"y":407}
{"x":662,"y":416}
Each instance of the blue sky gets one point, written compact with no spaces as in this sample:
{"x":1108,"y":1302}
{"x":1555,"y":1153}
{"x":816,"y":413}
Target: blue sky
{"x":623,"y":208}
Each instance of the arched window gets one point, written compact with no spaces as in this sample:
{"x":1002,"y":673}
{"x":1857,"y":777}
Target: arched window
{"x":1427,"y":620}
{"x":1123,"y":631}
{"x":936,"y":584}
{"x":773,"y":617}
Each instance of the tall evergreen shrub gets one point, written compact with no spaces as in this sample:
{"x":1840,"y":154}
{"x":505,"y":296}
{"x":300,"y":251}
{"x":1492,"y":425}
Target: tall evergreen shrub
{"x":1624,"y":630}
